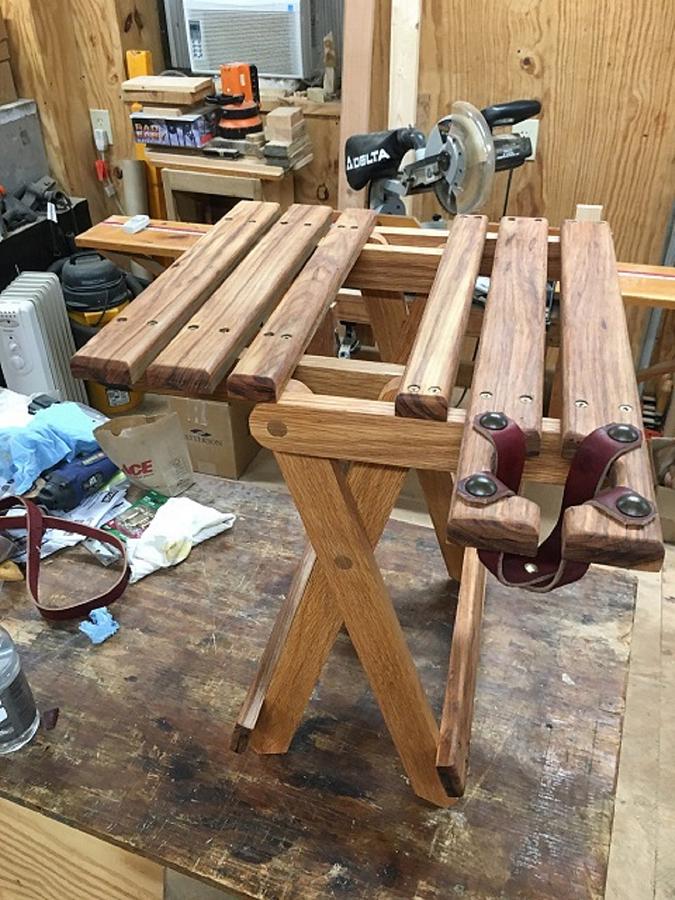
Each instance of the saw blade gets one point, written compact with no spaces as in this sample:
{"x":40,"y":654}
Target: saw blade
{"x":465,"y":135}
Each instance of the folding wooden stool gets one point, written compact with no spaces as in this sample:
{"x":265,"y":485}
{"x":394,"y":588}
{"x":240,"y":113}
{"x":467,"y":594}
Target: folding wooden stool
{"x":345,"y":434}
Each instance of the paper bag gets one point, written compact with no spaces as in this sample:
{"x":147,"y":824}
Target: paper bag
{"x":151,"y":450}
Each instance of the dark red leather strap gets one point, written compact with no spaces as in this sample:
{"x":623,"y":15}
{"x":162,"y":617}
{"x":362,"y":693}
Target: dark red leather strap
{"x":588,"y":470}
{"x":36,"y":523}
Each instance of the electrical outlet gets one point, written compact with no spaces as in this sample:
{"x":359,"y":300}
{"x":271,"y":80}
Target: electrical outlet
{"x":100,"y":118}
{"x":529,"y":128}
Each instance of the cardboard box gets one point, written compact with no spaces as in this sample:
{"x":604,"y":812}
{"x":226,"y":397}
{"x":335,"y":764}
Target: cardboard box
{"x":7,"y":87}
{"x":217,"y":434}
{"x":192,"y":130}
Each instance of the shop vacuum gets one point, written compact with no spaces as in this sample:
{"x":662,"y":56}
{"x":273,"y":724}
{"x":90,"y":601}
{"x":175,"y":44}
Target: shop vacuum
{"x":95,"y":291}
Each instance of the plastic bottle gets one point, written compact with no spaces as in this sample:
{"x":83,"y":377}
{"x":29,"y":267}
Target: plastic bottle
{"x":19,"y":717}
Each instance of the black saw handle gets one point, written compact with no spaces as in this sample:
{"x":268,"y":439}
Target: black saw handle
{"x":510,"y":113}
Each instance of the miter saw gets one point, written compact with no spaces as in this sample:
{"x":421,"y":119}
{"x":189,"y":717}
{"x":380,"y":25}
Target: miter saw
{"x":457,"y":161}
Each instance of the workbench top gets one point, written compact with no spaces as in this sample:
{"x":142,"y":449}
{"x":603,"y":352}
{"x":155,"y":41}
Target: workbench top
{"x":140,"y":753}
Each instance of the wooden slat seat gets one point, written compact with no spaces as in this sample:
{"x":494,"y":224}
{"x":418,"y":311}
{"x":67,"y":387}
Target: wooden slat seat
{"x":206,"y":346}
{"x":432,"y":367}
{"x":267,"y":366}
{"x":599,"y":388}
{"x":508,"y":378}
{"x":120,"y":352}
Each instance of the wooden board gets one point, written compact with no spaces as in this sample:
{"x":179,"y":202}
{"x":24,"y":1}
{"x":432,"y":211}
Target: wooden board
{"x":595,"y":340}
{"x":357,"y":75}
{"x":368,"y":431}
{"x":166,"y":89}
{"x":42,"y":858}
{"x":161,"y":238}
{"x":139,"y":756}
{"x":193,"y":162}
{"x":508,"y":378}
{"x":434,"y":360}
{"x":200,"y":354}
{"x":120,"y":352}
{"x":265,"y":368}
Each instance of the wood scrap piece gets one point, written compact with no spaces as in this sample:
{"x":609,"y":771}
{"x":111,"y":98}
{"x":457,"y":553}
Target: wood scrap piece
{"x":198,"y":357}
{"x":455,"y":733}
{"x":508,"y":378}
{"x":161,"y":237}
{"x":599,"y":388}
{"x":166,"y":89}
{"x":265,"y":368}
{"x":120,"y":352}
{"x":432,"y":368}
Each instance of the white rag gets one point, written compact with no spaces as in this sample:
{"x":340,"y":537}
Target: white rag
{"x":178,"y":525}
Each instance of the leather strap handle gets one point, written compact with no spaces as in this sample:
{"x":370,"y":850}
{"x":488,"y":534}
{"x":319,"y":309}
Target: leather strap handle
{"x":36,"y":523}
{"x":595,"y":456}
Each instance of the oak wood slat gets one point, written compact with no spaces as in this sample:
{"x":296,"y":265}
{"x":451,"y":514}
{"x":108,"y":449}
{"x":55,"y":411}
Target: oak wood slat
{"x":599,"y":388}
{"x":120,"y":352}
{"x":455,"y":731}
{"x":509,"y":378}
{"x":200,"y":354}
{"x":368,"y":430}
{"x":330,"y":515}
{"x":434,"y":360}
{"x":307,"y":626}
{"x":265,"y":368}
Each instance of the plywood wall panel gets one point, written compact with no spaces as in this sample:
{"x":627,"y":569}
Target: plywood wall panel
{"x":69,"y":56}
{"x":604,"y":74}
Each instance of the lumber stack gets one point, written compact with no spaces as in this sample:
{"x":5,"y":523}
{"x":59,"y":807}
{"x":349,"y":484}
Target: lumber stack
{"x":288,"y":143}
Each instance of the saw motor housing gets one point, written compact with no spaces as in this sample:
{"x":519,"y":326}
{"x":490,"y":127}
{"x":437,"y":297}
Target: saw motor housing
{"x":457,"y":160}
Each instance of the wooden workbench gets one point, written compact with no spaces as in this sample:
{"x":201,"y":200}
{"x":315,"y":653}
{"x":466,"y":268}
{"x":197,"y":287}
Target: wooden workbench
{"x":140,"y":754}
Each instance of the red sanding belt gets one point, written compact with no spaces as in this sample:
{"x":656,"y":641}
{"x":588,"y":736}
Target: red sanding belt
{"x":36,"y":523}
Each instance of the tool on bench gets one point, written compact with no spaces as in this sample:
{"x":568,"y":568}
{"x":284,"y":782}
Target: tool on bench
{"x":69,"y":483}
{"x":457,"y":161}
{"x":240,"y":128}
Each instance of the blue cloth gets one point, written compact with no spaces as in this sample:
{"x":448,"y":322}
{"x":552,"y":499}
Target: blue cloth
{"x":60,"y":431}
{"x":99,"y":626}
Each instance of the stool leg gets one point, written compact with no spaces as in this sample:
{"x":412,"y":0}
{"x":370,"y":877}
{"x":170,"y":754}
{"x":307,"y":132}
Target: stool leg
{"x":331,"y":517}
{"x":307,"y":626}
{"x":457,"y":716}
{"x":437,"y":489}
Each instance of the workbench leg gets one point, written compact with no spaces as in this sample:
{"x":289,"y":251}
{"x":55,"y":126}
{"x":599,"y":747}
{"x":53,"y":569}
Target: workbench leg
{"x":280,"y":190}
{"x":437,"y":489}
{"x":457,"y":717}
{"x":307,"y":626}
{"x":345,"y":556}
